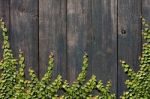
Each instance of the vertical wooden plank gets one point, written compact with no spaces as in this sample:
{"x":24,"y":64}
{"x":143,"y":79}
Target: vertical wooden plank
{"x":4,"y":14}
{"x":104,"y":44}
{"x":146,"y":10}
{"x":4,"y":11}
{"x":52,"y":35}
{"x":79,"y":35}
{"x":129,"y":37}
{"x":24,"y":31}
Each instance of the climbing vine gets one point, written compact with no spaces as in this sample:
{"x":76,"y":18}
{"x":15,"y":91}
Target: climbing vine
{"x":138,"y":84}
{"x":13,"y":85}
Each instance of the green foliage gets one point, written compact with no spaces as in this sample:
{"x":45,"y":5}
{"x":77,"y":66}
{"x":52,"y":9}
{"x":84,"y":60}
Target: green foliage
{"x":82,"y":90}
{"x":7,"y":66}
{"x":138,"y":84}
{"x":13,"y":84}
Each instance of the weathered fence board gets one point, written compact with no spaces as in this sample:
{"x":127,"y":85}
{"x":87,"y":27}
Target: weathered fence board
{"x":146,"y":10}
{"x":78,"y":35}
{"x":24,"y":30}
{"x":52,"y":35}
{"x":129,"y":37}
{"x":104,"y":44}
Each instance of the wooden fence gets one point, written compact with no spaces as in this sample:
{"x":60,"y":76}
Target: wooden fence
{"x":108,"y":30}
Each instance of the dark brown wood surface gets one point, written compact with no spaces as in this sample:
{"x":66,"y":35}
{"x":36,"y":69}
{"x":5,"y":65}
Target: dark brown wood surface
{"x":24,"y":31}
{"x":146,"y":10}
{"x":104,"y":44}
{"x":129,"y":37}
{"x":79,"y":35}
{"x":52,"y":35}
{"x":108,"y":30}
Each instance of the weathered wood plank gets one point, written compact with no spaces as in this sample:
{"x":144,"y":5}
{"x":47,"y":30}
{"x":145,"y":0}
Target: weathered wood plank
{"x":104,"y":44}
{"x":4,"y":14}
{"x":146,"y":10}
{"x":52,"y":35}
{"x":24,"y":31}
{"x":79,"y":35}
{"x":129,"y":37}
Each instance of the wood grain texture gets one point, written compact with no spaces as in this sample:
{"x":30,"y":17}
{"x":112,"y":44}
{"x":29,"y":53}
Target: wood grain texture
{"x":24,"y":31}
{"x":52,"y":35}
{"x":129,"y":37}
{"x":4,"y":14}
{"x":146,"y":10}
{"x":104,"y":44}
{"x":79,"y":35}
